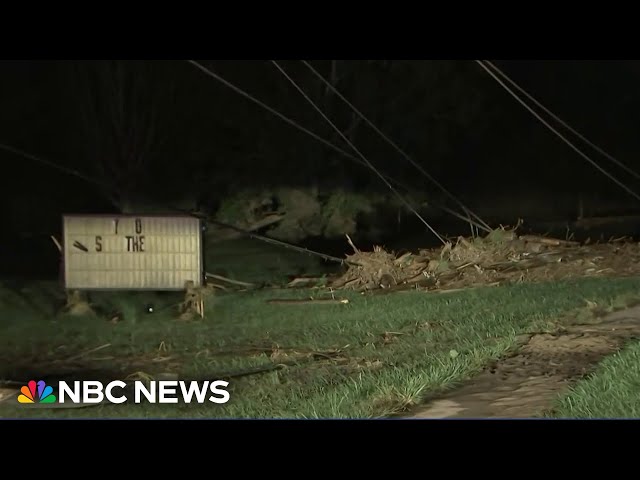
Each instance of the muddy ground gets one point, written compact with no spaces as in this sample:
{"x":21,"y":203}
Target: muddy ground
{"x":527,"y":384}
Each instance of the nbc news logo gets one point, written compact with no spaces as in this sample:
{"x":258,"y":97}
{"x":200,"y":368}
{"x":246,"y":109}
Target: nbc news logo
{"x":90,"y":391}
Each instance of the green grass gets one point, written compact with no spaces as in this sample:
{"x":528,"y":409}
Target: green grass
{"x":381,"y":353}
{"x":612,"y":391}
{"x":255,"y":261}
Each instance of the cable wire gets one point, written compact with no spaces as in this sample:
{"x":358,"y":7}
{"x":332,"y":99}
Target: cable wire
{"x":568,"y":142}
{"x":289,"y":121}
{"x":563,"y":123}
{"x":344,"y":137}
{"x":282,"y":117}
{"x":395,"y":146}
{"x":53,"y":165}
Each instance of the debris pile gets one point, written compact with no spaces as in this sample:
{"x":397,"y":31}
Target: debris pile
{"x":500,"y":257}
{"x":377,"y":269}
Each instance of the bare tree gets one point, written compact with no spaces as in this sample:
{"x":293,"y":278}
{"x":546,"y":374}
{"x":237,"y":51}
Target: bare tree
{"x":125,"y":118}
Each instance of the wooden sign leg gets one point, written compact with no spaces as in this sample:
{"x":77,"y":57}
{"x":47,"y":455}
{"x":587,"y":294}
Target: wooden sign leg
{"x":193,"y":302}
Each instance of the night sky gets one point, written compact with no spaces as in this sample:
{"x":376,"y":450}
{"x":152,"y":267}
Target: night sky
{"x":152,"y":131}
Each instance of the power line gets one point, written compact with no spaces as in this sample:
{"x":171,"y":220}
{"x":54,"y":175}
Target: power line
{"x":344,"y":137}
{"x":394,"y":145}
{"x":270,"y":240}
{"x":49,"y":163}
{"x":544,"y":122}
{"x":208,"y":220}
{"x":294,"y":124}
{"x":563,"y":123}
{"x":282,"y":117}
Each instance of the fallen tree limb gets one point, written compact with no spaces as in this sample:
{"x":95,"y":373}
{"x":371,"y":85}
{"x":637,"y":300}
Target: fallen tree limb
{"x":87,"y":352}
{"x":355,"y":249}
{"x":270,"y":219}
{"x":555,"y":242}
{"x":273,"y":241}
{"x":57,"y":243}
{"x":292,"y":301}
{"x":228,"y":280}
{"x":401,"y":260}
{"x":303,"y":281}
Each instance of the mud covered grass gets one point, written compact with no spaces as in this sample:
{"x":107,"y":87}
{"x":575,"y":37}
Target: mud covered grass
{"x":612,"y":391}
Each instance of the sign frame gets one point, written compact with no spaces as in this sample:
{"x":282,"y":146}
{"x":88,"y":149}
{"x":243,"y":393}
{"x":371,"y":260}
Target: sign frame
{"x":115,"y":216}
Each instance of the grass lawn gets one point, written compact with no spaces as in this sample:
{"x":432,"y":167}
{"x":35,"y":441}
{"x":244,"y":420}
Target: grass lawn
{"x":255,"y":261}
{"x":369,"y":358}
{"x":612,"y":391}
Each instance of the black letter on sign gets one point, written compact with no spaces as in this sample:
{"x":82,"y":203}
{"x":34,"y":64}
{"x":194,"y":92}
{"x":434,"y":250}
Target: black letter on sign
{"x":134,"y":243}
{"x":115,"y":222}
{"x":138,"y":226}
{"x":98,"y":243}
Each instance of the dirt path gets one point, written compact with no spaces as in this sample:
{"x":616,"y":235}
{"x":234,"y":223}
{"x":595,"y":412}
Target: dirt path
{"x":526,"y":384}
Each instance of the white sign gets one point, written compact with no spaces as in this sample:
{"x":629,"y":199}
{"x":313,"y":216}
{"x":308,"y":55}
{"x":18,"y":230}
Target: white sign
{"x":129,"y":252}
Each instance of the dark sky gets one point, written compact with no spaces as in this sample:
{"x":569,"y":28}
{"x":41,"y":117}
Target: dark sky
{"x":160,"y":129}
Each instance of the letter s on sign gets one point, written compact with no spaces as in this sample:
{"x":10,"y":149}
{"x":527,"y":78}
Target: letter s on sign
{"x":217,"y":391}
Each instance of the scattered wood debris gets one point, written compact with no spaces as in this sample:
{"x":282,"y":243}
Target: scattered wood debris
{"x":307,"y":282}
{"x":77,"y":304}
{"x":498,"y":258}
{"x":308,"y":301}
{"x":193,"y":304}
{"x":229,"y":280}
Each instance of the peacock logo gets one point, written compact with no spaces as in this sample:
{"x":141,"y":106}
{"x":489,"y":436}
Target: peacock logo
{"x":38,"y":392}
